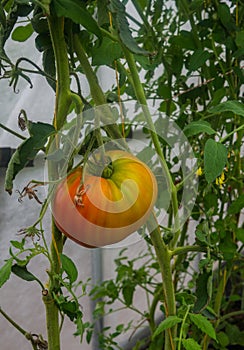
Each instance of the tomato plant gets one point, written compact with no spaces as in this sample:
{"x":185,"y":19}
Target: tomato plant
{"x":109,"y":204}
{"x":184,"y":59}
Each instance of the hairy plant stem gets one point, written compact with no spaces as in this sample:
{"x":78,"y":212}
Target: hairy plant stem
{"x":63,"y":101}
{"x":27,"y":335}
{"x":139,"y":91}
{"x":4,"y":127}
{"x":164,"y":260}
{"x":97,"y":94}
{"x":162,"y":251}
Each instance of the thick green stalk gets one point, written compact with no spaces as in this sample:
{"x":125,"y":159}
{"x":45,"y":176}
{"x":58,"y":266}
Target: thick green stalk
{"x":164,"y":258}
{"x":139,"y":91}
{"x":162,"y":251}
{"x":63,"y":101}
{"x":63,"y":94}
{"x":97,"y":93}
{"x":19,"y":328}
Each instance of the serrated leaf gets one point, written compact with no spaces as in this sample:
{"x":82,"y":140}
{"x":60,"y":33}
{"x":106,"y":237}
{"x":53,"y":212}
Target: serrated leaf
{"x":198,"y":127}
{"x":235,"y":107}
{"x":215,"y":158}
{"x":22,"y":33}
{"x":198,"y":58}
{"x":203,"y":324}
{"x":191,"y":344}
{"x":169,"y":322}
{"x":76,"y":11}
{"x":237,"y":205}
{"x":27,"y":151}
{"x":69,"y":267}
{"x":5,"y":271}
{"x":117,"y":8}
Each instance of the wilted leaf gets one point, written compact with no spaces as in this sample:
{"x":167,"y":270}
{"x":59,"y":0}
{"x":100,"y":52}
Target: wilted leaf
{"x":27,"y":151}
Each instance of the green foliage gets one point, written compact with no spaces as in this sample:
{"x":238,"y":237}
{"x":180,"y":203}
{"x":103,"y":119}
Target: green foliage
{"x":188,"y":56}
{"x":39,"y":134}
{"x":169,"y":322}
{"x":215,"y":158}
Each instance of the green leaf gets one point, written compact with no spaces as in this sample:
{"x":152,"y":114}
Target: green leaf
{"x":198,"y":59}
{"x":22,"y":33}
{"x":191,"y":344}
{"x":240,"y":39}
{"x":27,"y":151}
{"x":100,"y":54}
{"x":240,"y":234}
{"x":17,"y":244}
{"x":198,"y":127}
{"x":169,"y":322}
{"x":226,"y":17}
{"x":23,"y":273}
{"x":48,"y":61}
{"x":5,"y":271}
{"x":75,"y":10}
{"x":203,"y":291}
{"x":235,"y":107}
{"x":69,"y":267}
{"x":117,"y":8}
{"x":128,"y":292}
{"x":215,"y":158}
{"x":237,"y":205}
{"x":223,"y":339}
{"x":204,"y":324}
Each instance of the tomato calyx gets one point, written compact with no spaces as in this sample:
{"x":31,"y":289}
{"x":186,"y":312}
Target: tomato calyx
{"x":102,"y":166}
{"x":108,"y":171}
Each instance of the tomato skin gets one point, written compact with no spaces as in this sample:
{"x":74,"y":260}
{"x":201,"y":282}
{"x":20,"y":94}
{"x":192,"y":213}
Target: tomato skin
{"x":109,"y":209}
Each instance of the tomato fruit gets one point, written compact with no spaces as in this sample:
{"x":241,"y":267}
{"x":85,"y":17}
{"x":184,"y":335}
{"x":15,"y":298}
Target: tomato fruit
{"x":97,"y":207}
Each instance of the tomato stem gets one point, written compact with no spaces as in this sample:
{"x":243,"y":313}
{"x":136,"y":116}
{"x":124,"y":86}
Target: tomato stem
{"x":62,"y":105}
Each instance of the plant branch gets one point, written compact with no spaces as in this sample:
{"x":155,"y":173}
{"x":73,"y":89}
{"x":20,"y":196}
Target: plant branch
{"x":163,"y":257}
{"x":12,"y":132}
{"x":139,"y":91}
{"x":27,"y":335}
{"x":187,"y":249}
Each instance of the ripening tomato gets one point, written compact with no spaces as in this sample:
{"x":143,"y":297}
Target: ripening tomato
{"x":97,"y":208}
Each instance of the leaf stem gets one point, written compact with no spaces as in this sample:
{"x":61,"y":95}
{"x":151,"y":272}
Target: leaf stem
{"x":12,"y":132}
{"x":187,"y":249}
{"x":182,"y":326}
